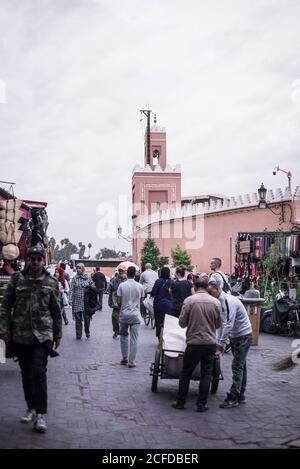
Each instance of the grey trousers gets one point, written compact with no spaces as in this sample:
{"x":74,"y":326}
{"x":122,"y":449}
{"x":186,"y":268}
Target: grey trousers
{"x":129,"y":332}
{"x":79,"y":316}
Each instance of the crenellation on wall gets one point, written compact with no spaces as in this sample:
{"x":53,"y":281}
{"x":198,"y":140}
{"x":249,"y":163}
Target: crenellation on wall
{"x":287,"y":193}
{"x":240,"y":201}
{"x":156,"y":169}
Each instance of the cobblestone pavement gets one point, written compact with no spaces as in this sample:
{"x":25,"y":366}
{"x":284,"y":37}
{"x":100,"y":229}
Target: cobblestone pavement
{"x":94,"y":402}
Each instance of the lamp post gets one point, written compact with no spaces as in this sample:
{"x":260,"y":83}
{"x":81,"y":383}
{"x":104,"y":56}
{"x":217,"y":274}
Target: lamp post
{"x":288,"y":173}
{"x":129,"y":238}
{"x":262,"y":192}
{"x":262,"y":203}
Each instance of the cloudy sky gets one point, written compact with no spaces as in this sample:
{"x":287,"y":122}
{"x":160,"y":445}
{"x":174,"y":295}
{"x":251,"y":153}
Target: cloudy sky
{"x":223,"y":77}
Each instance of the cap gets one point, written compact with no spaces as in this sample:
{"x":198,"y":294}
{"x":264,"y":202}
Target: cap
{"x":36,"y":250}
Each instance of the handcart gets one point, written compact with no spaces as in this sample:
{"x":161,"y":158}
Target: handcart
{"x":168,"y":359}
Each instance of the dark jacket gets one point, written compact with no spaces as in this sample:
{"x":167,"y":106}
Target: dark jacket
{"x":99,"y":280}
{"x":162,"y":299}
{"x":31,"y":308}
{"x":91,"y":304}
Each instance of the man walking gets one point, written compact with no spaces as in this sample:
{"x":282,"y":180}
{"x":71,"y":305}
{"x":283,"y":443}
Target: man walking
{"x":119,"y":277}
{"x":100,"y":282}
{"x":201,"y":314}
{"x":31,"y":323}
{"x":218,"y":275}
{"x":238,"y":329}
{"x":130,"y":296}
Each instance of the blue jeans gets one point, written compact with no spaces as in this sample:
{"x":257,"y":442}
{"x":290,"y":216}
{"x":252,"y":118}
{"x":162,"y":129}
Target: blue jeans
{"x":124,"y":340}
{"x":239,"y":347}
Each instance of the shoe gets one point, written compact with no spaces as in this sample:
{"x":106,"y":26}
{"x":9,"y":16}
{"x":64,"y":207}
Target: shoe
{"x":66,"y":323}
{"x":29,"y":416}
{"x":229,"y":402}
{"x":40,"y":423}
{"x":78,"y":338}
{"x":131,"y":365}
{"x":178,"y":405}
{"x":242,"y":399}
{"x":88,"y":336}
{"x":124,"y":361}
{"x":115,"y":335}
{"x":202,"y":408}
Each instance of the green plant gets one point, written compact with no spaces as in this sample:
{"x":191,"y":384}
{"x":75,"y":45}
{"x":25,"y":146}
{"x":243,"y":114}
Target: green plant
{"x":181,"y":257}
{"x":271,"y":264}
{"x":150,"y":253}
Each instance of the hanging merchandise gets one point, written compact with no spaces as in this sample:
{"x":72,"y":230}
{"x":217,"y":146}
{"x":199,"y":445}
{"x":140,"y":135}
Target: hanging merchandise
{"x":10,"y":215}
{"x":10,"y":233}
{"x":10,"y":252}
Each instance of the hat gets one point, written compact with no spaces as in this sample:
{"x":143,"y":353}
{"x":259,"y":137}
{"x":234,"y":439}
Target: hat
{"x":36,"y":250}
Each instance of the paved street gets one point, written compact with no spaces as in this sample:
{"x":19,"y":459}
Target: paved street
{"x":94,"y":402}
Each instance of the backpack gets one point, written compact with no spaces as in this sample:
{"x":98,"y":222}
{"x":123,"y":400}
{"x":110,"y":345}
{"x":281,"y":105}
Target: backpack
{"x":226,"y":286}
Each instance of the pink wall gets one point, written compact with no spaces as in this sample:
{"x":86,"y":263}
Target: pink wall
{"x":220,"y":231}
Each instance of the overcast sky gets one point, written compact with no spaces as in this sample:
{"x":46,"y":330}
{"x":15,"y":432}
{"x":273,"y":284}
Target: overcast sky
{"x":222,"y":76}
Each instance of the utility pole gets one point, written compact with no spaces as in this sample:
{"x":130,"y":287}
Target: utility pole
{"x":147,"y":113}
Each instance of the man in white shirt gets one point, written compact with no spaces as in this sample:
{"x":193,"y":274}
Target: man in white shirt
{"x":148,"y":278}
{"x":129,"y":297}
{"x":218,"y":275}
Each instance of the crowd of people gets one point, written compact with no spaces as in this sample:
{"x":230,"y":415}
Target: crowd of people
{"x":34,"y":305}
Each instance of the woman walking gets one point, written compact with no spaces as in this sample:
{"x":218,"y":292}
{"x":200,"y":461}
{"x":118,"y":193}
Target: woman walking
{"x":162,"y":298}
{"x":76,"y":300}
{"x":61,"y":283}
{"x":180,"y":290}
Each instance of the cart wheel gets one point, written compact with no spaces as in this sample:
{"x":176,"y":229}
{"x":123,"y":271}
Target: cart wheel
{"x":156,"y":371}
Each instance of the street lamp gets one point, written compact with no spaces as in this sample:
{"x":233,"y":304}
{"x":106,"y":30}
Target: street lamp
{"x":262,"y":203}
{"x":288,"y":173}
{"x":129,"y":238}
{"x":262,"y":192}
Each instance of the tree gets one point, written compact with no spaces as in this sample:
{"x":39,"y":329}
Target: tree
{"x":52,"y":244}
{"x":271,"y":263}
{"x":106,"y":253}
{"x":89,"y":246}
{"x":181,"y":257}
{"x":150,"y":253}
{"x":163,"y":260}
{"x":81,"y":250}
{"x":56,"y":255}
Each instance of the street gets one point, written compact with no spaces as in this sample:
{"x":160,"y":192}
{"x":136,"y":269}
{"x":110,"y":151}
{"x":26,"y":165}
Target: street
{"x":94,"y":402}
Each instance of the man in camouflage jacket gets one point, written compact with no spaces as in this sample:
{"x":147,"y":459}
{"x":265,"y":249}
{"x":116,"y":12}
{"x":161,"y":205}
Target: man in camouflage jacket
{"x":119,"y":277}
{"x":31,"y":323}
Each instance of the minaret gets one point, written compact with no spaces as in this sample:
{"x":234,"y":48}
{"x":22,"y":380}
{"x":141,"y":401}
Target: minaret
{"x":156,"y":186}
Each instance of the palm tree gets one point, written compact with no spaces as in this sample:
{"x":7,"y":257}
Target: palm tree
{"x":89,"y":246}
